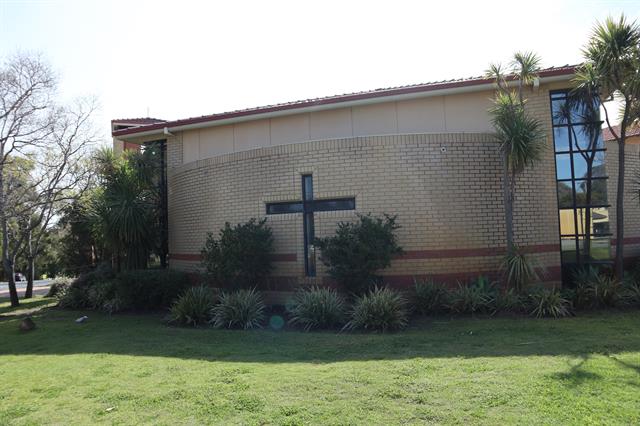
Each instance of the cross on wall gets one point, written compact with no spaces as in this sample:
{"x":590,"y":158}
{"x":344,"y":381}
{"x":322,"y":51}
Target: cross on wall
{"x":308,"y":206}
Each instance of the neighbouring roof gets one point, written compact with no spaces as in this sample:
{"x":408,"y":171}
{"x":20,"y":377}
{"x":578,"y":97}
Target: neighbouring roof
{"x":608,"y":136}
{"x":336,"y":99}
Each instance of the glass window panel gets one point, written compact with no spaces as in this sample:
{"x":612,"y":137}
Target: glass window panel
{"x":598,"y":192}
{"x":587,"y":137}
{"x":597,"y":165}
{"x":598,"y":219}
{"x":561,"y":138}
{"x":598,"y":249}
{"x":558,"y":112}
{"x":559,"y":95}
{"x":563,"y":166}
{"x":283,"y":208}
{"x":568,"y":250}
{"x":330,"y":205}
{"x":567,"y":223}
{"x":307,"y":187}
{"x":565,"y":194}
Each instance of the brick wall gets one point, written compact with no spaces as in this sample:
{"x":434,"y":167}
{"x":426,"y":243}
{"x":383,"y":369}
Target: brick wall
{"x":444,"y":188}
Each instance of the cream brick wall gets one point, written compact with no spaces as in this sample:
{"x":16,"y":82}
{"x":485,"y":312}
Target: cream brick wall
{"x":444,"y":188}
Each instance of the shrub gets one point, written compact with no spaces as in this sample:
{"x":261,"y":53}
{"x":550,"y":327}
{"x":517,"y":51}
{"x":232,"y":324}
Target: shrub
{"x":380,"y":309}
{"x":77,"y":295}
{"x":317,"y":308}
{"x":241,"y":256}
{"x":519,"y":270}
{"x":430,"y":297}
{"x":630,"y":294}
{"x":358,"y":250}
{"x":508,"y":301}
{"x":545,"y":302}
{"x":595,"y":289}
{"x":470,"y":299}
{"x":150,"y":289}
{"x":59,"y":286}
{"x":194,"y":306}
{"x":101,"y":289}
{"x":239,"y":309}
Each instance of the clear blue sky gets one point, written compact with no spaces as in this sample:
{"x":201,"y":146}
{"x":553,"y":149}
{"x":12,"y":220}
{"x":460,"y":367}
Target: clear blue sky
{"x":184,"y":58}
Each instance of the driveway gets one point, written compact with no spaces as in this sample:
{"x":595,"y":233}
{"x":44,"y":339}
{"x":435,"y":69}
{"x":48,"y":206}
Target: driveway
{"x":40,"y":287}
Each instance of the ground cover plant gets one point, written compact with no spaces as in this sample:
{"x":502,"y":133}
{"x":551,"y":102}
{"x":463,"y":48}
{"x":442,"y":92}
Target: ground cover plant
{"x":578,"y":370}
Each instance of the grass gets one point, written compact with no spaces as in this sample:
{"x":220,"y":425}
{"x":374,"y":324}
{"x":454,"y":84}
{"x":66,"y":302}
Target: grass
{"x":132,"y":369}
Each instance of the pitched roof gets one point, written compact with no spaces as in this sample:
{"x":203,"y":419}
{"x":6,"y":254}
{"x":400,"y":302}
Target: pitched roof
{"x":140,"y":120}
{"x":608,"y":136}
{"x":565,"y":70}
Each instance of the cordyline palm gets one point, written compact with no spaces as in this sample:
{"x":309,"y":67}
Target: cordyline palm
{"x":124,"y":208}
{"x":521,"y":137}
{"x":612,"y":67}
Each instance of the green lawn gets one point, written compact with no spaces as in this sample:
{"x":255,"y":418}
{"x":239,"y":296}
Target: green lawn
{"x":130,"y":369}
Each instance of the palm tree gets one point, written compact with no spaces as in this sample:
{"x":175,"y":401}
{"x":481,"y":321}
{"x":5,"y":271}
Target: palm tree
{"x":521,"y":137}
{"x":612,"y":67}
{"x":124,"y":208}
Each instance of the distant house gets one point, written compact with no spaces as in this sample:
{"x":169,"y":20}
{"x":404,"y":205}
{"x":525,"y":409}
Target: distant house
{"x":424,"y":152}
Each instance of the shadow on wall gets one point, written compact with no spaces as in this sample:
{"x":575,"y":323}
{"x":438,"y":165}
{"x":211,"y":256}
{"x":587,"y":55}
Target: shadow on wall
{"x":145,"y":335}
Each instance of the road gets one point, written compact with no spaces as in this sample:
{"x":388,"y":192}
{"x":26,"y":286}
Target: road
{"x":40,"y":287}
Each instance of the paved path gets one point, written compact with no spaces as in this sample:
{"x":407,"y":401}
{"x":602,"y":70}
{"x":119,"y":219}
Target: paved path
{"x":40,"y":287}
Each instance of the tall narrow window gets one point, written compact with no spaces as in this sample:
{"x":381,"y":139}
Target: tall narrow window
{"x":581,"y":181}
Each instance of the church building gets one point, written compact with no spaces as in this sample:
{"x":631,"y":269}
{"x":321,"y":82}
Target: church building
{"x":425,"y":153}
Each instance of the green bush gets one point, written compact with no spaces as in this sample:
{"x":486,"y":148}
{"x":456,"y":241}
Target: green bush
{"x":508,"y":301}
{"x":194,"y":306}
{"x":430,"y":297}
{"x":239,"y":309}
{"x":594,"y":289}
{"x":358,"y":250}
{"x":142,"y":290}
{"x":548,"y":302}
{"x":519,"y":270}
{"x":630,"y":294}
{"x":78,"y":294}
{"x":380,"y":309}
{"x":241,"y":255}
{"x":471,"y":299}
{"x":317,"y":308}
{"x":150,"y":289}
{"x":59,"y":286}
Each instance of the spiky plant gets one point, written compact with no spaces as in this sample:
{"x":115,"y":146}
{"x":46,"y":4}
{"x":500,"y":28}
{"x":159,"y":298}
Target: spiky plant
{"x":317,"y":308}
{"x":521,"y":137}
{"x":381,"y":309}
{"x":519,"y":269}
{"x":548,"y":302}
{"x":240,"y":309}
{"x":611,"y":67}
{"x":194,"y":306}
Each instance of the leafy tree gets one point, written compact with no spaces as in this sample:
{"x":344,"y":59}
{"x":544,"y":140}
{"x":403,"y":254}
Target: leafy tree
{"x":612,"y":68}
{"x":521,"y":136}
{"x":241,"y":255}
{"x":359,"y":250}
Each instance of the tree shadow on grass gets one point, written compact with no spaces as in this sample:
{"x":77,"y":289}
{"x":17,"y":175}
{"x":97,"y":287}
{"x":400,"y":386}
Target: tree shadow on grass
{"x":27,"y":307}
{"x":577,"y":375}
{"x":146,"y":335}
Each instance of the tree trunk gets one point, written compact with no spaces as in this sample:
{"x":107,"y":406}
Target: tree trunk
{"x":31,"y":271}
{"x":619,"y":264}
{"x":507,"y":186}
{"x":11,"y":279}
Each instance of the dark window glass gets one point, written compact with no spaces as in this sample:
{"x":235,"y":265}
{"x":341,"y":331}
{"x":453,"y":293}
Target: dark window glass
{"x":561,"y":138}
{"x":598,"y":192}
{"x":330,"y":205}
{"x":557,"y":111}
{"x":587,"y":137}
{"x":568,"y":249}
{"x":565,"y":194}
{"x":563,"y":166}
{"x":598,"y":249}
{"x":283,"y":208}
{"x":307,"y":188}
{"x":580,"y":165}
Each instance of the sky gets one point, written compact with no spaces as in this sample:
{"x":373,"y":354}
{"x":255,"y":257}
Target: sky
{"x":178,"y":59}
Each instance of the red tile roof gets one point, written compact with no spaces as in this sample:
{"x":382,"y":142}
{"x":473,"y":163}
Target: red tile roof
{"x":377,"y":93}
{"x":608,"y":136}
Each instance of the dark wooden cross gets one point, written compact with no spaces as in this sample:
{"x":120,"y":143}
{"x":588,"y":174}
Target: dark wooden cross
{"x":308,"y":206}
